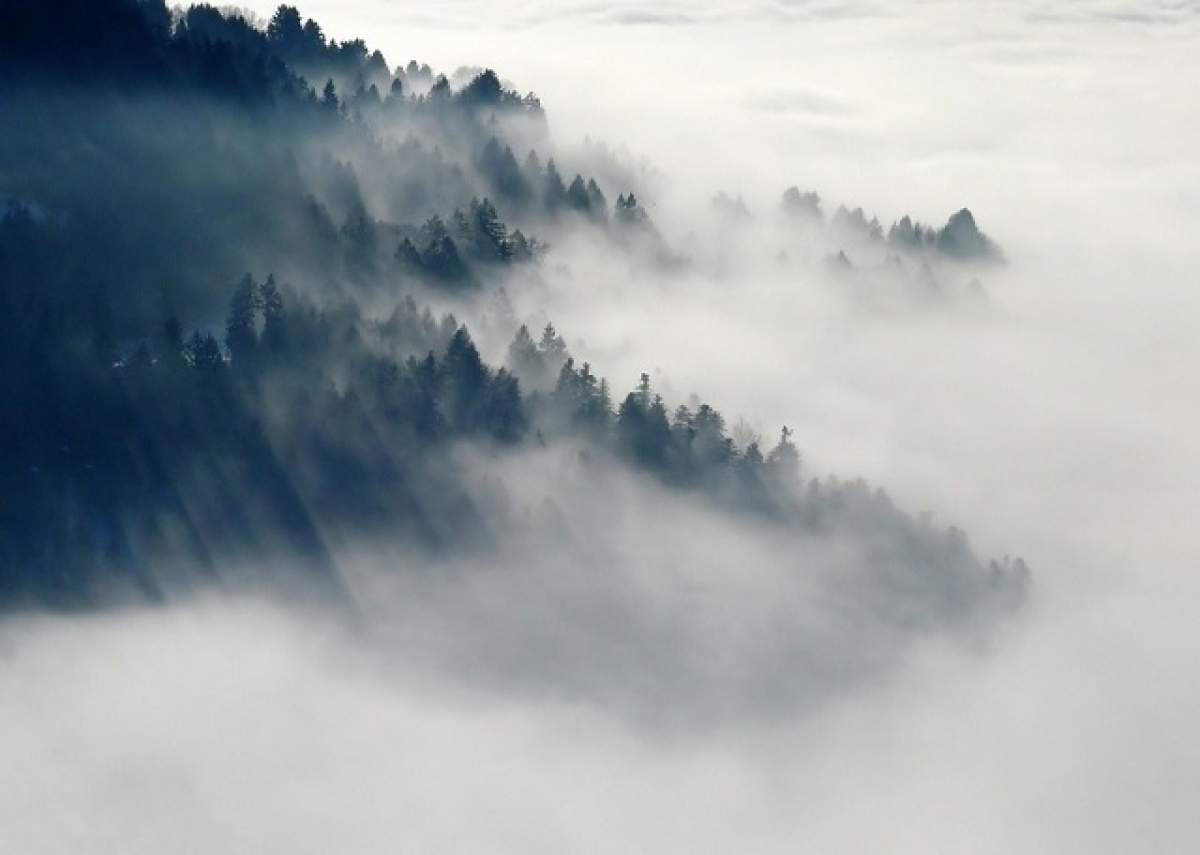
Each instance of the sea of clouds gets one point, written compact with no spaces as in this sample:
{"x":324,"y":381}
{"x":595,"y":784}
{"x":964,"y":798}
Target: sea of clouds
{"x":536,"y":709}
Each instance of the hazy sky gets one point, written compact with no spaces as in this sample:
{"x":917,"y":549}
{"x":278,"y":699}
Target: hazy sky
{"x":1058,"y":423}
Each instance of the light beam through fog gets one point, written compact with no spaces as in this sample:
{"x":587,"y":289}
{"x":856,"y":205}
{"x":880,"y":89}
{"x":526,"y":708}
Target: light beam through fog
{"x":557,"y":629}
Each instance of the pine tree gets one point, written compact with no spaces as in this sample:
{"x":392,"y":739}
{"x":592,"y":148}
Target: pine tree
{"x":554,"y":192}
{"x":273,"y":335}
{"x":597,"y":204}
{"x":490,"y":233}
{"x":241,"y":335}
{"x":524,"y":358}
{"x":577,"y":196}
{"x":204,"y":354}
{"x":533,"y":169}
{"x":442,"y":260}
{"x":329,"y":99}
{"x":553,"y":350}
{"x":784,"y":460}
{"x":407,"y":256}
{"x":464,"y":380}
{"x":285,"y":29}
{"x":643,"y":392}
{"x":520,"y":246}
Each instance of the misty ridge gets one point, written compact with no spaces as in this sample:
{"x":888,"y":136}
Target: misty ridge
{"x":914,"y":261}
{"x":259,"y":331}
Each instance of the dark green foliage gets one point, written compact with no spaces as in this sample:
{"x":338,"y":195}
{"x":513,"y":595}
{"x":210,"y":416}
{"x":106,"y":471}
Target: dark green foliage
{"x":273,"y":341}
{"x":484,"y":90}
{"x":642,"y":430}
{"x":441,"y":260}
{"x":554,"y":193}
{"x":960,"y":238}
{"x":499,"y":166}
{"x":408,"y":257}
{"x":286,"y":31}
{"x":146,"y":167}
{"x":464,"y":380}
{"x":204,"y":354}
{"x":241,"y":333}
{"x":577,"y":196}
{"x":487,"y":233}
{"x":581,"y":399}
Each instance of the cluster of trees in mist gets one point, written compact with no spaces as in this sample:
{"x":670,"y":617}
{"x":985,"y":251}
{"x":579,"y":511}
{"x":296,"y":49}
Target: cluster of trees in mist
{"x":118,"y":109}
{"x":163,"y":408}
{"x":960,"y":238}
{"x":909,"y":264}
{"x":908,"y":255}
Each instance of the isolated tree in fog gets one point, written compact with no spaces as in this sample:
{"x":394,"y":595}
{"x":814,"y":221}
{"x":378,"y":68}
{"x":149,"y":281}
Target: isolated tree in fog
{"x":784,"y":460}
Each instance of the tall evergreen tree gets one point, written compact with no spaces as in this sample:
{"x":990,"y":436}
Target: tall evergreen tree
{"x":784,"y":460}
{"x":554,"y":192}
{"x":241,"y":334}
{"x":524,"y":358}
{"x":577,"y":196}
{"x":273,"y":337}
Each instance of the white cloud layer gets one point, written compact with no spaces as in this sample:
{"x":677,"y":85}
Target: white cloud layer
{"x":1058,"y":422}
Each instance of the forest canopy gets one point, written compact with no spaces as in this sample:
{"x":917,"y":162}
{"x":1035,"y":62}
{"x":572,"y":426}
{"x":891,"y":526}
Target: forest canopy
{"x":219,"y":248}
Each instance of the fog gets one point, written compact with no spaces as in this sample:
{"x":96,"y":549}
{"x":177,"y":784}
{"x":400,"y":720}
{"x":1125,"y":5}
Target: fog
{"x":636,"y":670}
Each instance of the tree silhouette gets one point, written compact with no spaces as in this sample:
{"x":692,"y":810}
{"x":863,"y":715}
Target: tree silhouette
{"x":553,"y":191}
{"x":241,"y":334}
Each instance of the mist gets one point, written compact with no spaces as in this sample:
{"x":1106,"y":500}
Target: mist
{"x":586,"y":656}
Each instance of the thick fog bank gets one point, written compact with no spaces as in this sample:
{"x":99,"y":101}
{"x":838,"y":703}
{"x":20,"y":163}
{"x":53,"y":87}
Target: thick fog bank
{"x":247,"y":730}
